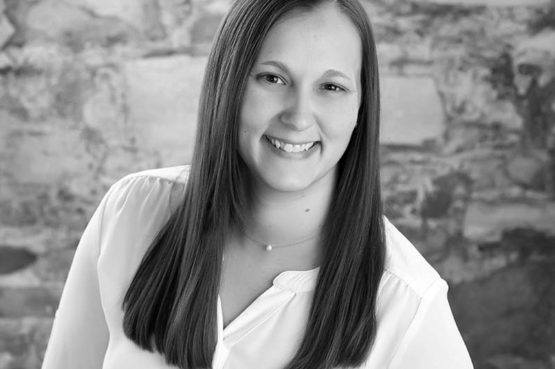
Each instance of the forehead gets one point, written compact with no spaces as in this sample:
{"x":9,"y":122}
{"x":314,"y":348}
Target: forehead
{"x":317,"y":39}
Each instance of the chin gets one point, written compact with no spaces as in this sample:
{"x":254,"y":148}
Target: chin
{"x":289,"y":183}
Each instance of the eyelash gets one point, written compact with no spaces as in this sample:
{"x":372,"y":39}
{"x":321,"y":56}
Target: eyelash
{"x":339,"y":88}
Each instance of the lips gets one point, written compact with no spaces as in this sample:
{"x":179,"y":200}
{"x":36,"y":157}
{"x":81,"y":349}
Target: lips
{"x":290,"y":147}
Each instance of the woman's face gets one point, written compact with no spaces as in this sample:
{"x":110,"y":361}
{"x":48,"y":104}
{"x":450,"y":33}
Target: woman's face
{"x":302,"y":98}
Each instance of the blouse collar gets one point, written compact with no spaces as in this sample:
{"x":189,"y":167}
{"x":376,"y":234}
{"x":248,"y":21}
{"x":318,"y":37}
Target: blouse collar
{"x":297,"y":280}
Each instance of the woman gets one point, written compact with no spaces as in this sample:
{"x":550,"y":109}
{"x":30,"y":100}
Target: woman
{"x":271,"y":250}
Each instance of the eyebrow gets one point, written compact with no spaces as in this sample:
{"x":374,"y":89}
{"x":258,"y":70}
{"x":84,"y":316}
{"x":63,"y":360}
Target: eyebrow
{"x":328,"y":73}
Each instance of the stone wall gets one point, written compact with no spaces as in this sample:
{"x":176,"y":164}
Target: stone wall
{"x":93,"y":90}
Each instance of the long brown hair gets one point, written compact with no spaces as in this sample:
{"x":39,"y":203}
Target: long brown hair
{"x":171,"y":303}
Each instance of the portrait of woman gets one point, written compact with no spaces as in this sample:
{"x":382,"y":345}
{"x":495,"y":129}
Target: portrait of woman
{"x":271,"y":249}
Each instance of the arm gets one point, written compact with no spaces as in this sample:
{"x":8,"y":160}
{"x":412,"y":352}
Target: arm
{"x":432,"y":341}
{"x":79,"y":335}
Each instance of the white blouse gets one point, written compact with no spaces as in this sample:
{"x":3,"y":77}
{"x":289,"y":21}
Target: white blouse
{"x":415,"y":326}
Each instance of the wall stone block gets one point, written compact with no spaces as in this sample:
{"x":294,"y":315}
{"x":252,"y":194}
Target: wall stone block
{"x":527,"y":169}
{"x":431,"y":240}
{"x":414,"y":100}
{"x":42,"y":80}
{"x":143,"y":15}
{"x":412,"y":59}
{"x":75,"y":27}
{"x":32,"y":301}
{"x":468,"y":97}
{"x":486,"y":167}
{"x":23,"y":341}
{"x":12,"y":259}
{"x":39,"y":239}
{"x":6,"y":29}
{"x":462,"y":260}
{"x":176,"y":17}
{"x":26,"y":278}
{"x":204,"y":28}
{"x":492,"y":3}
{"x":162,"y":97}
{"x":534,"y":51}
{"x":534,"y":87}
{"x":511,"y":311}
{"x":52,"y":267}
{"x":507,"y":361}
{"x":105,"y":107}
{"x":486,"y":221}
{"x":44,"y":154}
{"x":471,"y":136}
{"x":18,"y":212}
{"x":446,"y":192}
{"x":466,"y":49}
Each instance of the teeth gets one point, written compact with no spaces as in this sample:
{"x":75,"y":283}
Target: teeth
{"x":289,"y":147}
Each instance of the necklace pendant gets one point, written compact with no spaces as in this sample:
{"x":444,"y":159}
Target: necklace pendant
{"x":268,"y":247}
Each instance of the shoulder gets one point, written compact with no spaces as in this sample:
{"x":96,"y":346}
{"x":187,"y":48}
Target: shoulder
{"x":405,"y":265}
{"x":416,"y":327}
{"x":138,"y":185}
{"x":409,"y":287}
{"x":141,"y":200}
{"x":135,"y":209}
{"x":176,"y":174}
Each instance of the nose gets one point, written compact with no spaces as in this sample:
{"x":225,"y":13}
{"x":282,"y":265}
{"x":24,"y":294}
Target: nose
{"x":298,"y":114}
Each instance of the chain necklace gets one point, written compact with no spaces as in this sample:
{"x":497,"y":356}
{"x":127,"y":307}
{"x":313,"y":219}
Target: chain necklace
{"x":270,"y":247}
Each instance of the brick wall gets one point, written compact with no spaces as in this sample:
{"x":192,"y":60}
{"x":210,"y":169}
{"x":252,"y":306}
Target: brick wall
{"x":93,"y":90}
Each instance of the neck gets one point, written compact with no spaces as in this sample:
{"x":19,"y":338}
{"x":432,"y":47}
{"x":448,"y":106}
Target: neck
{"x":286,"y":217}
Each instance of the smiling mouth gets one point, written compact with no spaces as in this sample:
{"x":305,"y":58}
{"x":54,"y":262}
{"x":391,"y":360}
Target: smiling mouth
{"x":288,"y":147}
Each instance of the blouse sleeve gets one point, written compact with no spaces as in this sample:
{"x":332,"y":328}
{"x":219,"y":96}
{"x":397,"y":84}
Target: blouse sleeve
{"x":432,"y":340}
{"x":79,"y":335}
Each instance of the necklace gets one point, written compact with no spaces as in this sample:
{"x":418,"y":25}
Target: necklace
{"x":270,"y":247}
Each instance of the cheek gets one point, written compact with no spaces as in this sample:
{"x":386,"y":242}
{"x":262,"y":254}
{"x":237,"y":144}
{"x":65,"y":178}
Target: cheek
{"x":247,"y":135}
{"x":256,"y":111}
{"x":341,"y":120}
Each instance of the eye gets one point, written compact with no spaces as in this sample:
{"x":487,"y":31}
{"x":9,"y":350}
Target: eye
{"x":333,"y":87}
{"x":271,"y":78}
